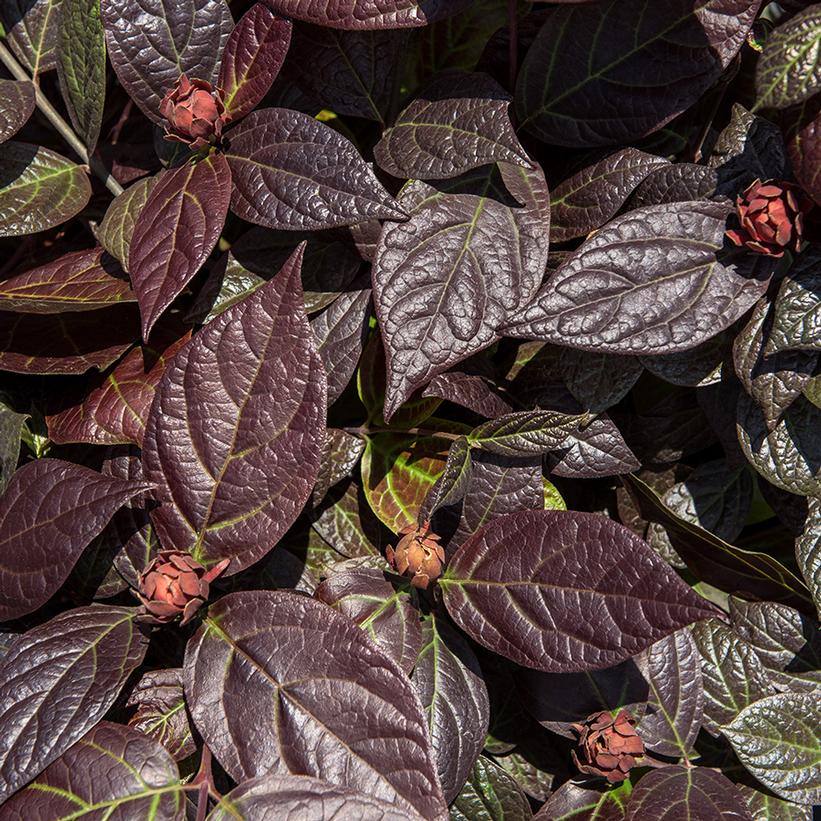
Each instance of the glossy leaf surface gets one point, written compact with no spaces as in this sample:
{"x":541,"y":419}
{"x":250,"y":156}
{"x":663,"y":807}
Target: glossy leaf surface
{"x":16,"y":106}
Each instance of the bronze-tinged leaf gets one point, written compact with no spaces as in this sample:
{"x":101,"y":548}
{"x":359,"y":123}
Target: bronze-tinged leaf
{"x":152,"y":42}
{"x":78,"y":281}
{"x":31,"y":28}
{"x":177,"y":229}
{"x":253,"y":56}
{"x":114,"y":408}
{"x":460,"y":122}
{"x":99,"y":646}
{"x":686,"y":793}
{"x":490,"y":794}
{"x":38,"y":189}
{"x":294,"y":173}
{"x":50,"y":503}
{"x":803,"y":139}
{"x":563,"y":592}
{"x":67,"y":343}
{"x":581,"y":803}
{"x":11,"y":431}
{"x":16,"y":106}
{"x":318,"y":696}
{"x":241,"y":405}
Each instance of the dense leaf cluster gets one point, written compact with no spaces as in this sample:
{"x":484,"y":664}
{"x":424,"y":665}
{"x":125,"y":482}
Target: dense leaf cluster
{"x":410,"y":409}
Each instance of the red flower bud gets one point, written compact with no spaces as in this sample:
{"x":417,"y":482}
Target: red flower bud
{"x":608,"y":747}
{"x":195,"y":112}
{"x":771,"y":216}
{"x":418,"y":555}
{"x":174,"y":584}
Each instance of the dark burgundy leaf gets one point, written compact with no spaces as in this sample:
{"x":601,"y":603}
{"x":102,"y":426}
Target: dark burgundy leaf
{"x":292,"y":172}
{"x":686,"y":794}
{"x":469,"y":390}
{"x":451,"y":487}
{"x":450,"y":277}
{"x":598,"y":380}
{"x":115,"y":408}
{"x":789,"y":70}
{"x":349,"y":526}
{"x":458,"y":123}
{"x":339,"y":458}
{"x":386,"y":614}
{"x":454,"y":696}
{"x":290,"y":797}
{"x":497,"y":486}
{"x":340,"y":332}
{"x":732,"y":674}
{"x":680,"y":182}
{"x":764,"y":806}
{"x":160,"y":702}
{"x":253,"y":56}
{"x":696,"y":367}
{"x":117,"y":228}
{"x":70,"y":343}
{"x":98,"y":646}
{"x":653,"y":63}
{"x":715,"y":561}
{"x":242,"y":405}
{"x":79,"y":281}
{"x":796,"y":322}
{"x":352,"y":72}
{"x":675,"y":706}
{"x":557,"y":700}
{"x":152,"y":42}
{"x":592,"y":196}
{"x":49,"y":503}
{"x":342,"y":711}
{"x":626,"y":291}
{"x":175,"y":232}
{"x":38,"y":189}
{"x":16,"y":106}
{"x":369,"y":14}
{"x":111,"y":767}
{"x":807,"y":546}
{"x":535,"y":588}
{"x":804,"y":146}
{"x":31,"y":29}
{"x":490,"y":794}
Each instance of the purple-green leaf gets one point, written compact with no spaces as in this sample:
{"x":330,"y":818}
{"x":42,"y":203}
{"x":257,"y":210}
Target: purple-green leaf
{"x":563,"y":591}
{"x":31,"y":28}
{"x":111,"y":767}
{"x":241,"y":406}
{"x":175,"y":232}
{"x":292,"y":172}
{"x":49,"y":512}
{"x":321,"y":698}
{"x":41,"y":716}
{"x":253,"y":57}
{"x":78,"y":281}
{"x":152,"y":42}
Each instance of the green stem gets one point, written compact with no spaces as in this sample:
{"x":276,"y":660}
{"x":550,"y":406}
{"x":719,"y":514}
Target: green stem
{"x":64,"y":129}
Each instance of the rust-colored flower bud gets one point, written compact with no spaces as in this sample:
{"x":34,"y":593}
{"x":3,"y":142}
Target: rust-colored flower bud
{"x":608,"y":747}
{"x":174,"y":584}
{"x":195,"y":112}
{"x":418,"y":555}
{"x":771,"y":217}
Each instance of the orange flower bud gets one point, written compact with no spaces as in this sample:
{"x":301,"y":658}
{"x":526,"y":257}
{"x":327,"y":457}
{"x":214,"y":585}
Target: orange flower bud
{"x":608,"y":747}
{"x":418,"y":555}
{"x":195,"y":112}
{"x":174,"y":584}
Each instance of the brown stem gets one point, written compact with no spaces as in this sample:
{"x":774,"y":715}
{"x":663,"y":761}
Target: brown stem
{"x":205,"y":776}
{"x":62,"y":127}
{"x":202,"y":802}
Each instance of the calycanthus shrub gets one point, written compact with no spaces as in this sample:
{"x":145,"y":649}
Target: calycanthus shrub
{"x":410,"y":409}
